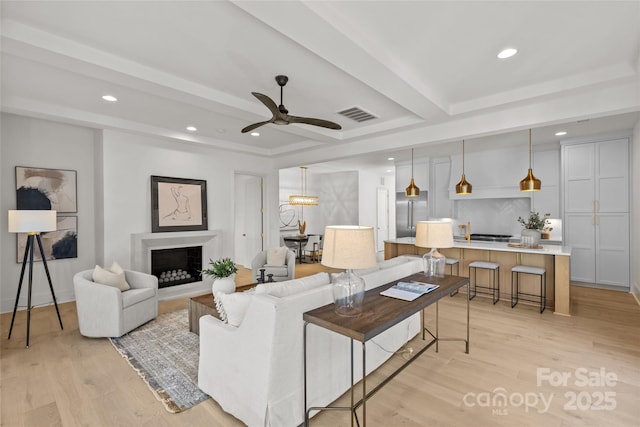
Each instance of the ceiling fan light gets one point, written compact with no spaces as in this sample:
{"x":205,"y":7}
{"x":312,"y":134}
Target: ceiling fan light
{"x":412,"y":190}
{"x":530,"y":183}
{"x":464,"y":186}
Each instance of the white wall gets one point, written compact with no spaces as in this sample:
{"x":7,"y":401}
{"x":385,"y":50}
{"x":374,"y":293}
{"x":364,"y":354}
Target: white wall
{"x":635,"y":206}
{"x":114,"y":196}
{"x":40,"y":143}
{"x":129,"y":161}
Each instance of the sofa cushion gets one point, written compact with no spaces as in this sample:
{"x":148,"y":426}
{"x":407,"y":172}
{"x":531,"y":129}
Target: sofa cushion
{"x":277,"y":256}
{"x":232,"y":307}
{"x":388,"y":263}
{"x":114,"y":276}
{"x":134,"y":296}
{"x":291,"y":287}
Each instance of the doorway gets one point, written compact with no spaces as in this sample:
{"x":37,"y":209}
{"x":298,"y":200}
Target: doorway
{"x":249,"y":221}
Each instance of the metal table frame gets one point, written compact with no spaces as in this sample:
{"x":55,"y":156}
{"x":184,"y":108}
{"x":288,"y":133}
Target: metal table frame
{"x":435,"y":339}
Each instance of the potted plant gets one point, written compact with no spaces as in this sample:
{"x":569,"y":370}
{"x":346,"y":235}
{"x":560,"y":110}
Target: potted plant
{"x":223,"y":272}
{"x":533,"y":227}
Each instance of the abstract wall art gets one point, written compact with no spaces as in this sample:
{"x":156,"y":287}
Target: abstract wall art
{"x":46,"y":189}
{"x":59,"y":244}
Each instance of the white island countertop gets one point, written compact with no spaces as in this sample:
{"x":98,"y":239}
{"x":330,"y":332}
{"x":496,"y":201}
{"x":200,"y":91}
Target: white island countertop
{"x":495,"y":246}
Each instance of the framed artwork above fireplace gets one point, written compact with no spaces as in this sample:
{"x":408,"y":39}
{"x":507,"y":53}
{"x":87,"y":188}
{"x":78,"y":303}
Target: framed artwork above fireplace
{"x":178,"y":204}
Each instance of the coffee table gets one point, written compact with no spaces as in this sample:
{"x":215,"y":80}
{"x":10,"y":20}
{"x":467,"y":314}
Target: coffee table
{"x":203,"y":304}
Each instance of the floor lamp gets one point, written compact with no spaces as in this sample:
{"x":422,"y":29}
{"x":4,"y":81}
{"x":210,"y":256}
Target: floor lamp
{"x":32,"y":223}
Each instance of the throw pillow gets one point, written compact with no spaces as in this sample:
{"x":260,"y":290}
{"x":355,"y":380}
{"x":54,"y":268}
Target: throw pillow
{"x":235,"y":306}
{"x":277,"y":256}
{"x":112,"y":277}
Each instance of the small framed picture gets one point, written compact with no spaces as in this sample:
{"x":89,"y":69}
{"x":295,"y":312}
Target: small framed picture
{"x":178,"y":204}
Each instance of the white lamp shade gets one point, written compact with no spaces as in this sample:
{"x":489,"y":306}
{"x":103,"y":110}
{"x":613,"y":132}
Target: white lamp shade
{"x":348,"y":246}
{"x":31,"y":221}
{"x":434,"y":234}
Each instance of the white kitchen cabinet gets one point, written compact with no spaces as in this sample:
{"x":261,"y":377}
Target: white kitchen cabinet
{"x":546,"y":167}
{"x":596,"y":210}
{"x":420,"y":174}
{"x":440,"y":206}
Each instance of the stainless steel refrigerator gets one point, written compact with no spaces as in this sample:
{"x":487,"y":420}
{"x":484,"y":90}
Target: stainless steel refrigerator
{"x":408,"y":211}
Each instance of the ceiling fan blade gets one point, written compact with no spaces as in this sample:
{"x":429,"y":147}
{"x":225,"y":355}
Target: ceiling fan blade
{"x":255,"y":125}
{"x":268,"y":102}
{"x":314,"y":122}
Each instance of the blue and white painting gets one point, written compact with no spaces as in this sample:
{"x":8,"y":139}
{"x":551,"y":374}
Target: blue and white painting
{"x":59,"y":244}
{"x":46,"y":189}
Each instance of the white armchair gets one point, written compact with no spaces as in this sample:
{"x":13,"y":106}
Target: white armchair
{"x":105,"y":311}
{"x":280,"y":272}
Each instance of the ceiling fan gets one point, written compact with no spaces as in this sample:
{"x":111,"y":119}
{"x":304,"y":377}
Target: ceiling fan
{"x":281,"y":114}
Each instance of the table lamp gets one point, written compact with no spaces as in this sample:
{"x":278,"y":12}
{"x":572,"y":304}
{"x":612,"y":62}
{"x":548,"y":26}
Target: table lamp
{"x":32,"y":222}
{"x":349,"y":247}
{"x":434,"y":235}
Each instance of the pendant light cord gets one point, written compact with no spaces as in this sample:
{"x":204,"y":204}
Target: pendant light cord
{"x":530,"y":151}
{"x":463,"y":157}
{"x":412,"y":163}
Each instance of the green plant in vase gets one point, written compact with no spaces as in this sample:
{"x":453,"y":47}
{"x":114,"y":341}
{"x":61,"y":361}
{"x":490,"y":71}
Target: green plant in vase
{"x":223,"y":272}
{"x":533,"y":227}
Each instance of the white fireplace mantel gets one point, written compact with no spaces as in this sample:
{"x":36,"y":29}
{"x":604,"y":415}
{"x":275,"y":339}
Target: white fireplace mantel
{"x":143,"y":243}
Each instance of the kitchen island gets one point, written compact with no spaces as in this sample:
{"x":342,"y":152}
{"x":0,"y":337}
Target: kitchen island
{"x":554,"y":258}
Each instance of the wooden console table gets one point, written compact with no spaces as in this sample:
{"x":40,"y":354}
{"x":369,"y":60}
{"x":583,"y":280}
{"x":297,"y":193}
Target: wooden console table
{"x":379,"y":314}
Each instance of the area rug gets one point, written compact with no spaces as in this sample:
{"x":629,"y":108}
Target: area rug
{"x":165,"y":354}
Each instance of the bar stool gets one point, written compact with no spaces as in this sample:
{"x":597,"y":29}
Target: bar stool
{"x":495,"y":285}
{"x":536,"y":271}
{"x":451,"y":262}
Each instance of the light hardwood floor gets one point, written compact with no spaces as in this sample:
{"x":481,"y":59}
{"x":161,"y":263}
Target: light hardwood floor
{"x":64,"y":379}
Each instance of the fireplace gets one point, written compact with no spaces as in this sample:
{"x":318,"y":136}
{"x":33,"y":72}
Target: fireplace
{"x":143,"y":244}
{"x":176,"y":266}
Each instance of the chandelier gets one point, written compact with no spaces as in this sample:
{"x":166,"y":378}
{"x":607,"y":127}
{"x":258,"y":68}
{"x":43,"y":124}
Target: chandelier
{"x":303,"y":199}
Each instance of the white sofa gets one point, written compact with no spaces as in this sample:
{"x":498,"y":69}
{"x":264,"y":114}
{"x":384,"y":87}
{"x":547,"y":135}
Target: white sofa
{"x":255,"y":370}
{"x":105,"y":311}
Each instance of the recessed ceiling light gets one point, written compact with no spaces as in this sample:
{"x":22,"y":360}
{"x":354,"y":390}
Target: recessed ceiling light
{"x":507,"y":53}
{"x":391,"y":158}
{"x":255,"y":133}
{"x":109,"y":98}
{"x":561,"y":133}
{"x":191,"y":128}
{"x":389,"y":170}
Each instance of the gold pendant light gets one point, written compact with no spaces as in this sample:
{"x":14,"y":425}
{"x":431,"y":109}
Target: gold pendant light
{"x":530,"y":182}
{"x":303,"y":199}
{"x":412,"y":190}
{"x":464,"y":186}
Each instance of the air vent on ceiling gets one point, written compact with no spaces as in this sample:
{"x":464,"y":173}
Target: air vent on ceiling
{"x":357,"y":114}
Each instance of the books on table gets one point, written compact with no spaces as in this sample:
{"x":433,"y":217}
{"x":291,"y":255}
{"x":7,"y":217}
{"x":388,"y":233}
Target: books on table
{"x":409,"y":291}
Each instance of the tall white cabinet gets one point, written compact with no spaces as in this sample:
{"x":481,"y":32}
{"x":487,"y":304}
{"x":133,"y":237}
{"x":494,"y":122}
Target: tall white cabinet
{"x":596,"y":210}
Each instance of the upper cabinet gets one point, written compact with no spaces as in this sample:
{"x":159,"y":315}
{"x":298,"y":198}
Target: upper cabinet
{"x":440,"y":205}
{"x":546,"y":167}
{"x":420,"y":174}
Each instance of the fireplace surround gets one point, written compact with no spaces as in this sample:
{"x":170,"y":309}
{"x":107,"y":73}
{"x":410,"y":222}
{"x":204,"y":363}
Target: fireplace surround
{"x":143,"y":243}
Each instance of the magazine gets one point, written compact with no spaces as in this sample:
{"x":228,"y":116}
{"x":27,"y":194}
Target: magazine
{"x":409,"y":291}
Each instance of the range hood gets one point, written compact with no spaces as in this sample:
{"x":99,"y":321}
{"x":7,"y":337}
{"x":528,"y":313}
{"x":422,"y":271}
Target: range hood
{"x":495,"y":174}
